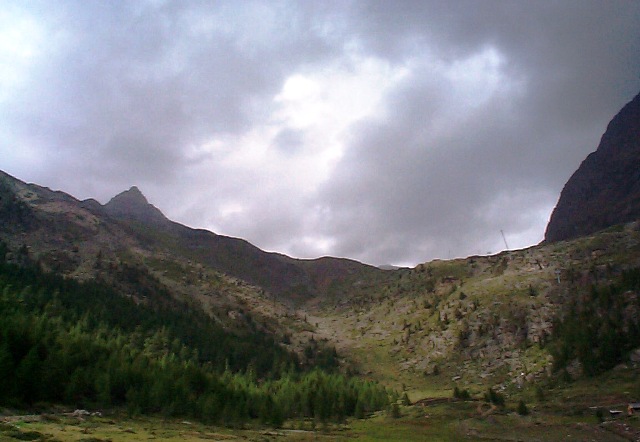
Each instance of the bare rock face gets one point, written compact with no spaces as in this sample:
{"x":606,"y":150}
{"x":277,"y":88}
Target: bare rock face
{"x":605,"y":190}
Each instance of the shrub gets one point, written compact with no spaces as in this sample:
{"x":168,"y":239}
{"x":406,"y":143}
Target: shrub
{"x":494,"y":397}
{"x":461,"y":394}
{"x":522,"y":408}
{"x":600,"y":415}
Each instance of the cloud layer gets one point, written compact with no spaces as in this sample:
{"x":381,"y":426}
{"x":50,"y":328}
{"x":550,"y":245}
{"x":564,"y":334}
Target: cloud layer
{"x":389,"y":132}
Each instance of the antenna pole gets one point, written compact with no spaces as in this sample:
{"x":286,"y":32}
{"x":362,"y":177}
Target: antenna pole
{"x":504,"y":239}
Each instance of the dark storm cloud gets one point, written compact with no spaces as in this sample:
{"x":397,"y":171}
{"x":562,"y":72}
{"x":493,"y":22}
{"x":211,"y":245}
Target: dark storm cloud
{"x":574,"y":64}
{"x":137,"y":83}
{"x":483,"y":111}
{"x":435,"y":193}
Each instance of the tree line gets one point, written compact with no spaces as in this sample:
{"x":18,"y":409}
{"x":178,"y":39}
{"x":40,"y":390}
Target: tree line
{"x":84,"y":345}
{"x":600,"y":326}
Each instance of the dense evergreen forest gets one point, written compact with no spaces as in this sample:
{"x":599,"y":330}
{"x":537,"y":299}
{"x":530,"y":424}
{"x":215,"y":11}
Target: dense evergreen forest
{"x":85,"y":345}
{"x":600,"y":325}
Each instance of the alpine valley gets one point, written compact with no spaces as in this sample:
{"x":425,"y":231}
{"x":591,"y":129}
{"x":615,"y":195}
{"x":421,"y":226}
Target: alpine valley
{"x":117,"y":309}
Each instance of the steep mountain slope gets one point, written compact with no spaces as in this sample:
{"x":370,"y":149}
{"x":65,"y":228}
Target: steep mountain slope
{"x":66,"y":235}
{"x":605,"y":190}
{"x":492,"y":320}
{"x":484,"y":320}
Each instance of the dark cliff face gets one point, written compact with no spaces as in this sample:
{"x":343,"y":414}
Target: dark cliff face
{"x":605,"y":190}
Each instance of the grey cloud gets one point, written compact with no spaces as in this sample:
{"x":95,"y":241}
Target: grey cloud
{"x":156,"y":78}
{"x":579,"y":57}
{"x":289,"y":141}
{"x":122,"y":92}
{"x":415,"y":186}
{"x":400,"y":194}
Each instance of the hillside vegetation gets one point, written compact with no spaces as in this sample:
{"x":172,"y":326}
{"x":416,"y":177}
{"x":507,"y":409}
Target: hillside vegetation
{"x":507,"y":321}
{"x":83,"y":344}
{"x":127,"y":312}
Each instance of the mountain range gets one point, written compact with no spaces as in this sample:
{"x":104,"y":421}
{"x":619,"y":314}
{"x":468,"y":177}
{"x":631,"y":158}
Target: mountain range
{"x":65,"y":234}
{"x":509,"y":321}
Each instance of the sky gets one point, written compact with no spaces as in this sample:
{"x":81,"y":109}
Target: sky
{"x":390,"y":132}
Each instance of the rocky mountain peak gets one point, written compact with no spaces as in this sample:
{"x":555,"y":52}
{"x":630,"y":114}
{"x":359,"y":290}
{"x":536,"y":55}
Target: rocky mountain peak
{"x":132,"y":193}
{"x":605,"y":190}
{"x":133,"y":205}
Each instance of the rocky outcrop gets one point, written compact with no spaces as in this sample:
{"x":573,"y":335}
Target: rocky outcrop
{"x":132,"y":205}
{"x":605,"y":190}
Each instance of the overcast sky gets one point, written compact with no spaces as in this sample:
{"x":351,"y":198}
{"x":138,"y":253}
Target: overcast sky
{"x":384,"y":131}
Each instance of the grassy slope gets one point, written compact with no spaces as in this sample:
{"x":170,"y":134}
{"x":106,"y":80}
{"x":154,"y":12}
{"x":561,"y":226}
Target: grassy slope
{"x":397,"y":335}
{"x":445,"y":422}
{"x":367,"y":321}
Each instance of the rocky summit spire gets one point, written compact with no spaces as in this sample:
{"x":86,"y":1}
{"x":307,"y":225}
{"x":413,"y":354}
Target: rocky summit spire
{"x":132,"y":205}
{"x":605,"y":190}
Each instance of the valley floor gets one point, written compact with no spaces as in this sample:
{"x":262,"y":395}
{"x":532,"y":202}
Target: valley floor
{"x":444,"y":421}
